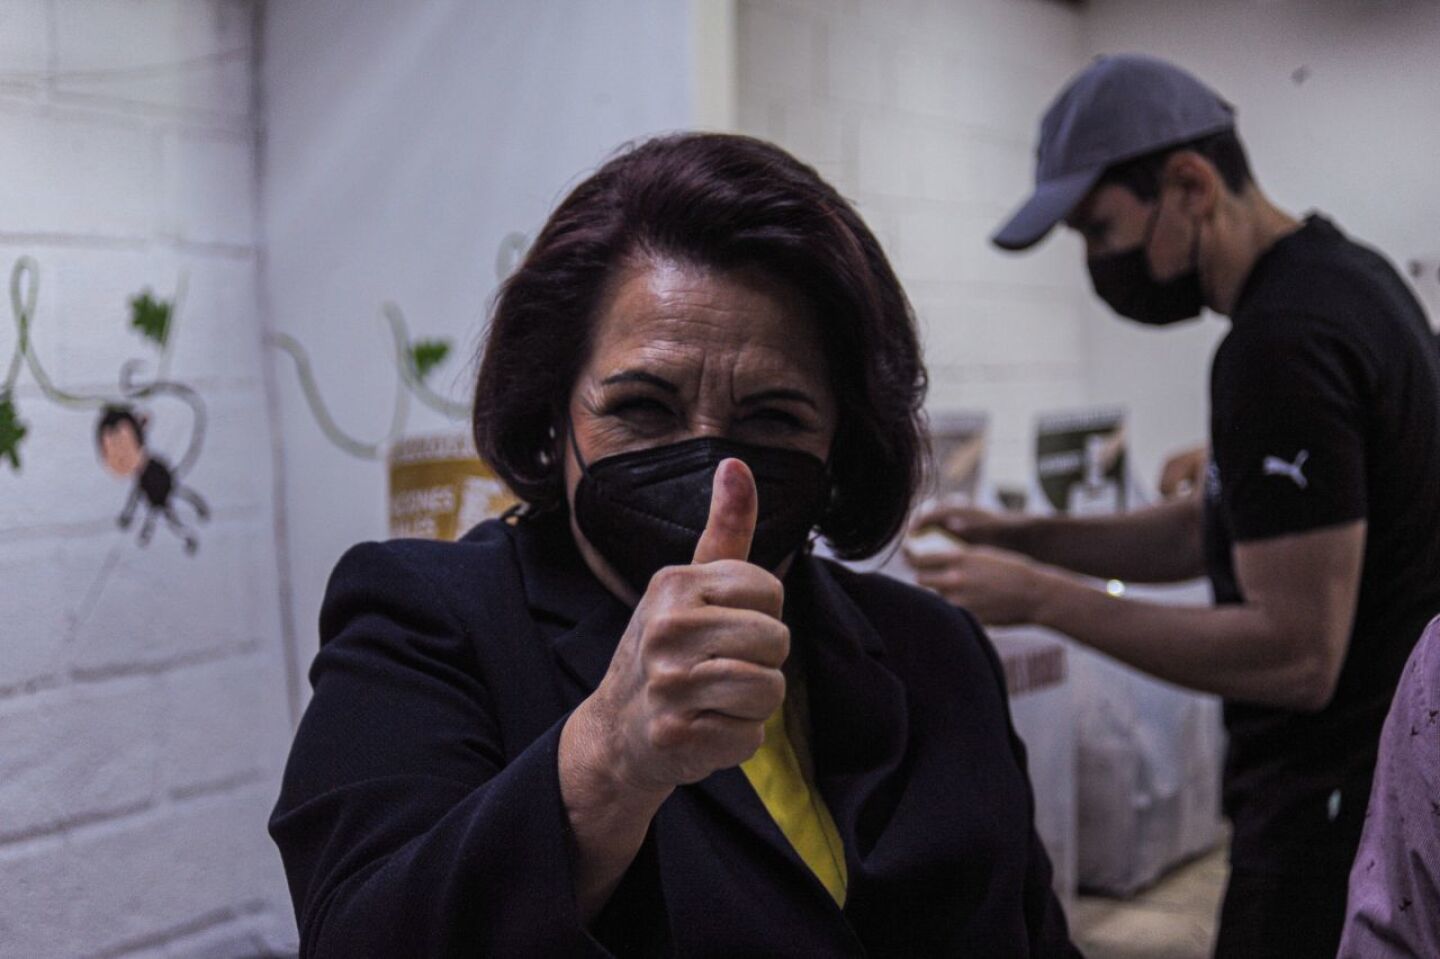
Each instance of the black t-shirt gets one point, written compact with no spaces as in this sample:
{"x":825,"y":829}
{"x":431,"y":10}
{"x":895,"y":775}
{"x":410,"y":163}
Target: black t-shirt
{"x":1325,"y":409}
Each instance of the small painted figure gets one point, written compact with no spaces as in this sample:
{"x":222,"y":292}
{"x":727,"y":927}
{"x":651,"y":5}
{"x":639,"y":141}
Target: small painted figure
{"x":120,"y":439}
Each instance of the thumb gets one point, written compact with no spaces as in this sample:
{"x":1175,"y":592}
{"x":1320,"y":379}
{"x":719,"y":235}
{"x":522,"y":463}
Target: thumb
{"x":733,"y":507}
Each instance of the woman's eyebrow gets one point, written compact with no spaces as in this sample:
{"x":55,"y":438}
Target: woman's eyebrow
{"x":781,"y":394}
{"x":640,"y":376}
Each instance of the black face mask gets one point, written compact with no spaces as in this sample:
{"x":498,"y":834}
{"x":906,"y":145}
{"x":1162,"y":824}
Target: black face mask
{"x":646,"y":509}
{"x":1123,"y":280}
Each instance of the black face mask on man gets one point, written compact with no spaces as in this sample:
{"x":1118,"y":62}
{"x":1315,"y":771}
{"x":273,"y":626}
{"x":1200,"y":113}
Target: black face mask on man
{"x":1124,"y":281}
{"x":645,"y":509}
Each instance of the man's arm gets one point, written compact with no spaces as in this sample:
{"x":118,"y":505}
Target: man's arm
{"x":1283,"y":646}
{"x":1291,"y":403}
{"x":1157,"y":544}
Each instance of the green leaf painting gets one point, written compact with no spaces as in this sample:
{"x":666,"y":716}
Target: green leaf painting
{"x":150,"y":317}
{"x":428,"y":354}
{"x":12,"y":431}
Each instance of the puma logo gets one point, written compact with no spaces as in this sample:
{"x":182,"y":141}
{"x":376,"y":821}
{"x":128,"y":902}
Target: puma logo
{"x":1275,"y":466}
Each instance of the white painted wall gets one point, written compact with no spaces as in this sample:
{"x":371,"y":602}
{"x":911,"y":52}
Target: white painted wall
{"x":924,"y":114}
{"x":1355,"y":135}
{"x":400,"y":148}
{"x":142,"y":692}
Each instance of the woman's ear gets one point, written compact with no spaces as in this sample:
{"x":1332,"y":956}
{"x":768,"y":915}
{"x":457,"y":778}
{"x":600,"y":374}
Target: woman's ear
{"x":557,"y":448}
{"x":556,"y":434}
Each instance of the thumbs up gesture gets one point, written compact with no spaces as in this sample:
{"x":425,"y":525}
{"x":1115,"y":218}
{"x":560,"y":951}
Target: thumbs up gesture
{"x":698,"y":670}
{"x":734,"y":504}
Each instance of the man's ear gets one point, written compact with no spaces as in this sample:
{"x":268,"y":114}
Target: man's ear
{"x":1199,"y":182}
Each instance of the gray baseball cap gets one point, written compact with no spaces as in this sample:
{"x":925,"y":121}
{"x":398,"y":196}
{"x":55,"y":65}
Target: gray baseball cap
{"x":1119,"y":108}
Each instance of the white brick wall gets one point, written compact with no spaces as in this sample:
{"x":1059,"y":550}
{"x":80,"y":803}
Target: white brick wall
{"x":107,"y":163}
{"x":126,"y":886}
{"x":924,"y":114}
{"x":143,"y":712}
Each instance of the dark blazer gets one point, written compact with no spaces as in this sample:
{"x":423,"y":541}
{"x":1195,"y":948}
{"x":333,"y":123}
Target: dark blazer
{"x":421,"y":811}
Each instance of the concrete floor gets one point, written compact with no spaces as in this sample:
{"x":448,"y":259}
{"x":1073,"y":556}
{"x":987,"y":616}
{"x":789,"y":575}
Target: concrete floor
{"x":1174,"y":919}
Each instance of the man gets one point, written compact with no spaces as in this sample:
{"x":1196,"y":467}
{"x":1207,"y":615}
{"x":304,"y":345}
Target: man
{"x":1320,"y":522}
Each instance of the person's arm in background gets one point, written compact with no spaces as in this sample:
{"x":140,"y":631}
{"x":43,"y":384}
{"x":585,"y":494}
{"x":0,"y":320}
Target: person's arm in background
{"x":1291,"y":459}
{"x":1283,"y":646}
{"x":1157,"y":544}
{"x":1162,"y":543}
{"x":1394,"y":905}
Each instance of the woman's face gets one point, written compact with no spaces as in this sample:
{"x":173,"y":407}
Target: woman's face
{"x":680,"y":352}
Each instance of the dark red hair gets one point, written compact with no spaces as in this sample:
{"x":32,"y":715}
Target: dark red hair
{"x":720,"y":201}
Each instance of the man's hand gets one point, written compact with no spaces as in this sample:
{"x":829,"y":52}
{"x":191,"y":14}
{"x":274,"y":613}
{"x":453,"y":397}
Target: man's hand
{"x":1000,"y":587}
{"x":975,"y":526}
{"x":1184,"y":473}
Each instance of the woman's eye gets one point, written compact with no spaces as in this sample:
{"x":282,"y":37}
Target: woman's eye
{"x":775,"y":417}
{"x":642,"y":409}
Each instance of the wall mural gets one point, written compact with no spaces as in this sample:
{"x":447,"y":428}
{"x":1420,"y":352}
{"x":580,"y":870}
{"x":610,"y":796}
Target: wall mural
{"x":123,"y":418}
{"x":438,"y":487}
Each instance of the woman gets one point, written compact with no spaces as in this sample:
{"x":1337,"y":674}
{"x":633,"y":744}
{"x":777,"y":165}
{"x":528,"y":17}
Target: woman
{"x":640,"y":718}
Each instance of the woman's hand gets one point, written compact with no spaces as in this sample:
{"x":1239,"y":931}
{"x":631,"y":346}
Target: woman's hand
{"x":692,"y":681}
{"x":697,"y":672}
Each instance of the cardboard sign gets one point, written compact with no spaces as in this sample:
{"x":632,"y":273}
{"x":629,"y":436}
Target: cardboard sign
{"x":1080,"y":461}
{"x":957,"y":449}
{"x":439,"y":488}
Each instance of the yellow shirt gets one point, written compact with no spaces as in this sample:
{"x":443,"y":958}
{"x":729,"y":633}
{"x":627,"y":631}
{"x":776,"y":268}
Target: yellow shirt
{"x":778,"y":775}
